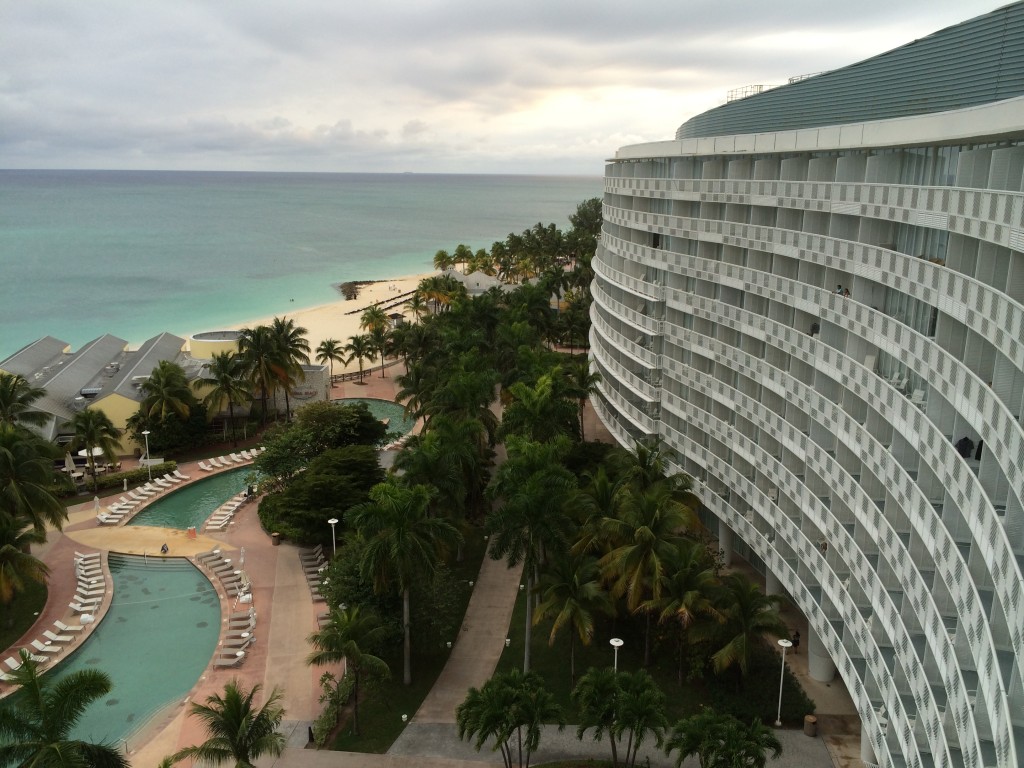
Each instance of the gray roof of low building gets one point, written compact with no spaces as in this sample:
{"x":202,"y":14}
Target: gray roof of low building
{"x":33,"y":360}
{"x":978,"y":61}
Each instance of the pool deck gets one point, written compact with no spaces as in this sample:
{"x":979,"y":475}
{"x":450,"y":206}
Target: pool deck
{"x":286,"y":616}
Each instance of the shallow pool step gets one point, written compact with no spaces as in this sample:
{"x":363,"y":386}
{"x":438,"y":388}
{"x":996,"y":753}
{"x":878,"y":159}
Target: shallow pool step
{"x":119,"y":562}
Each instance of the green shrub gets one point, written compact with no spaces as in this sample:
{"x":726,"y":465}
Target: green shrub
{"x":139,"y":476}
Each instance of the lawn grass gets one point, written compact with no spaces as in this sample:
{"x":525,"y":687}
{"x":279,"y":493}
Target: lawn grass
{"x":759,"y":691}
{"x":22,"y":613}
{"x":383,"y":704}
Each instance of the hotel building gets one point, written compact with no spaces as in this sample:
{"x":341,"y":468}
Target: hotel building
{"x":864,"y":451}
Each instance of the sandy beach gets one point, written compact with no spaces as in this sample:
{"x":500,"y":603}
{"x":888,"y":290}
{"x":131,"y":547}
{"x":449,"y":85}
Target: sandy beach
{"x":331,"y":321}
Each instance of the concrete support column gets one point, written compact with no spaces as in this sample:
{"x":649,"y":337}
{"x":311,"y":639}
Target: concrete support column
{"x":772,"y":584}
{"x":725,"y":542}
{"x":819,"y":662}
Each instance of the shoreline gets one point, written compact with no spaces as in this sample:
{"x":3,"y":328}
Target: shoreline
{"x":338,"y":319}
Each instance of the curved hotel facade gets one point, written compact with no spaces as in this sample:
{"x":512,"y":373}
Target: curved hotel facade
{"x":865,"y":452}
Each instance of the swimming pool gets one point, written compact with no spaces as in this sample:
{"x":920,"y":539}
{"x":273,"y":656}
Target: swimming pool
{"x":155,"y":641}
{"x":385,"y":409}
{"x":191,"y":505}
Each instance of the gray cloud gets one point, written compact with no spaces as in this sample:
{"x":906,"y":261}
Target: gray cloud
{"x":448,"y":85}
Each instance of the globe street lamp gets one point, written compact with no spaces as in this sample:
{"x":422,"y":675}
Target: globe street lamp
{"x":616,"y":644}
{"x":149,"y":467}
{"x":334,"y":539}
{"x":782,"y":674}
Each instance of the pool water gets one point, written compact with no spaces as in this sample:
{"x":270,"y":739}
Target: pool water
{"x":191,"y":505}
{"x":385,"y":409}
{"x":157,"y":638}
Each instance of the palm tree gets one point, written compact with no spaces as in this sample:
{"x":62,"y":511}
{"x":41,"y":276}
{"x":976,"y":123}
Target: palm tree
{"x":641,"y":713}
{"x":17,"y":397}
{"x":380,"y":338}
{"x":27,"y":479}
{"x":403,"y":544}
{"x":417,"y":306}
{"x":373,"y":317}
{"x":93,"y":429}
{"x":511,"y":705}
{"x":330,"y":351}
{"x":227,"y":385}
{"x":582,"y":383}
{"x":35,"y":730}
{"x":291,"y":352}
{"x":572,"y":594}
{"x":541,"y":412}
{"x":722,"y":741}
{"x":596,"y":503}
{"x":359,"y":348}
{"x":17,"y":565}
{"x":166,"y":392}
{"x":647,"y":533}
{"x":443,"y":260}
{"x":531,"y":488}
{"x":258,"y":352}
{"x":596,"y":696}
{"x":239,"y":732}
{"x":350,"y":635}
{"x":687,"y":594}
{"x":748,"y":616}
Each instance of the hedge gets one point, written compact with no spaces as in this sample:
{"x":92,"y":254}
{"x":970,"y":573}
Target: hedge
{"x":134,"y":477}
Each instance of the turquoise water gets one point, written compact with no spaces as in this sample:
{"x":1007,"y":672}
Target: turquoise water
{"x":191,"y":505}
{"x":135,"y":253}
{"x":157,"y":638}
{"x":385,"y":409}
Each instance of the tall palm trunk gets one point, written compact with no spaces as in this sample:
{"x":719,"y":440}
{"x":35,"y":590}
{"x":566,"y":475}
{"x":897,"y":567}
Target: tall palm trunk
{"x":529,"y":619}
{"x":407,"y":652}
{"x":647,"y":640}
{"x":355,"y":701}
{"x":231,"y":415}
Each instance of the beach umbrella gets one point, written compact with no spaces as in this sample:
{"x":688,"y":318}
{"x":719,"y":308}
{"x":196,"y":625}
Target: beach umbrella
{"x":69,"y":463}
{"x":96,"y":451}
{"x":96,"y":503}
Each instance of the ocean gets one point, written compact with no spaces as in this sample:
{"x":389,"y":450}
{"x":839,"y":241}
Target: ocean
{"x":135,"y":253}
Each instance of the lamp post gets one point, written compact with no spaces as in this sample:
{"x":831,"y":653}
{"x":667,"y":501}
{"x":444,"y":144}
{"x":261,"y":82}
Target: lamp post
{"x":785,"y":644}
{"x":616,"y":644}
{"x":149,"y":467}
{"x":334,"y":539}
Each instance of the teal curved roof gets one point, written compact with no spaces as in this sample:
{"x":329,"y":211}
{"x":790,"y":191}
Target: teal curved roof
{"x":976,"y":62}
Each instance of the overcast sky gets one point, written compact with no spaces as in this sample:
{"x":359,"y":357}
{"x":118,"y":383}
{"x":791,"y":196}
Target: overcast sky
{"x":460,"y":86}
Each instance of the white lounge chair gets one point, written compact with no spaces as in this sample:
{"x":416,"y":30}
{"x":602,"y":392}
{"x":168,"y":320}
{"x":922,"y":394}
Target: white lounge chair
{"x":12,"y":663}
{"x":170,"y":478}
{"x":53,"y":637}
{"x":141,"y":494}
{"x":216,"y":463}
{"x":124,"y":501}
{"x":93,"y":595}
{"x":230,"y":661}
{"x":204,"y":466}
{"x":246,"y":455}
{"x":36,"y":659}
{"x":83,"y":608}
{"x":109,"y":519}
{"x":218,"y":525}
{"x":87,"y":556}
{"x":55,"y":649}
{"x":236,"y":458}
{"x":68,"y":627}
{"x":90,"y":582}
{"x":177,"y":474}
{"x":161,"y":483}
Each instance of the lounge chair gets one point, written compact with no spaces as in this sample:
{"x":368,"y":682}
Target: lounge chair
{"x":230,"y":661}
{"x":85,"y":584}
{"x":36,"y":659}
{"x":141,"y":494}
{"x":12,"y":663}
{"x":246,"y":455}
{"x":109,"y":519}
{"x":68,"y":627}
{"x":177,"y":474}
{"x":55,"y":638}
{"x":248,"y":625}
{"x":161,"y":483}
{"x":218,"y":525}
{"x":42,"y":648}
{"x":151,"y":489}
{"x":250,"y":614}
{"x":216,"y":463}
{"x":124,"y":501}
{"x":85,"y":556}
{"x":237,"y":459}
{"x":83,"y":608}
{"x":93,"y":594}
{"x":205,"y":467}
{"x":171,"y":478}
{"x":206,"y":557}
